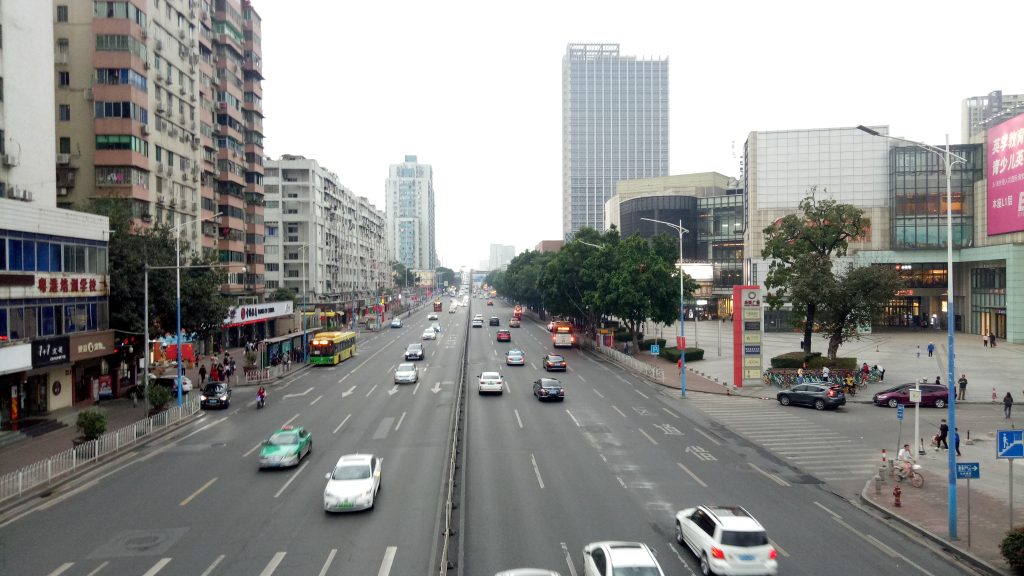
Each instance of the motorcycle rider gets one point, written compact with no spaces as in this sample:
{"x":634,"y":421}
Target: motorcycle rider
{"x":261,"y":395}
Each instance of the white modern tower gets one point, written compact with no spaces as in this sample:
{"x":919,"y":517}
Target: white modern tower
{"x":410,"y":214}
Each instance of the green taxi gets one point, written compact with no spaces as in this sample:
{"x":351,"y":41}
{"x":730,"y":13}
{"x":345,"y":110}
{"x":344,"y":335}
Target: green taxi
{"x":286,"y":447}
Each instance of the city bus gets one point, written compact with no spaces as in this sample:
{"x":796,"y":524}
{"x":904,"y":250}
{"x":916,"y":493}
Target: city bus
{"x":332,"y":347}
{"x":562,"y":335}
{"x":437,"y":305}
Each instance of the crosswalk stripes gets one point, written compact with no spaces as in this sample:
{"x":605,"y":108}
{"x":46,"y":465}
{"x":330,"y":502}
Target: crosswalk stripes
{"x":827,"y":455}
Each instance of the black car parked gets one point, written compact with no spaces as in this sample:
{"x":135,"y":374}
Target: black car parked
{"x":821,"y":396}
{"x":215,"y":395}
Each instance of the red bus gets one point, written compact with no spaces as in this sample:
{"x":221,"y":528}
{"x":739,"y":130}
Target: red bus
{"x":437,"y":305}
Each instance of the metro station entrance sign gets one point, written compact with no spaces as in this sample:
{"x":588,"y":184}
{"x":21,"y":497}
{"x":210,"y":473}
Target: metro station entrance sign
{"x":747,"y":335}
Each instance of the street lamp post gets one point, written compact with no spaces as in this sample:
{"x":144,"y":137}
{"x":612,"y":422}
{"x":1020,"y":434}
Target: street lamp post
{"x":948,"y":159}
{"x":177,"y":286}
{"x":682,"y":297}
{"x":305,"y":272}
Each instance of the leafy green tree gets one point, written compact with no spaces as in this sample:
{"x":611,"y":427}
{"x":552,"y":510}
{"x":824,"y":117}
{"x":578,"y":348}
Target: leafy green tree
{"x":283,"y":294}
{"x":853,"y":299}
{"x":445,"y":275}
{"x":801,"y":248}
{"x":569,"y":283}
{"x":520,"y":281}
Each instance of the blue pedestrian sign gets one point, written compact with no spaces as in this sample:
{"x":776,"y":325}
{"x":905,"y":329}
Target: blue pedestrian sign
{"x":1009,"y":443}
{"x":968,"y":471}
{"x":899,"y":412}
{"x":655,"y":349}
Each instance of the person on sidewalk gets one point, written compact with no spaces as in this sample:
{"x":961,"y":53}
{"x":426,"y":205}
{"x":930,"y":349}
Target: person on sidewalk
{"x":1007,"y":404}
{"x":202,"y":374}
{"x":943,"y":434}
{"x":956,"y":441}
{"x":984,"y":340}
{"x":963,"y":387}
{"x":679,"y":365}
{"x":931,"y":349}
{"x":991,"y":340}
{"x":918,"y":350}
{"x":825,"y":373}
{"x":881,"y":372}
{"x":938,"y":380}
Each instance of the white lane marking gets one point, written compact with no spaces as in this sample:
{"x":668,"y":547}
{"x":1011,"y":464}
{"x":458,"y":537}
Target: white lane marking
{"x":61,"y":569}
{"x":692,"y":475}
{"x":157,"y":567}
{"x":342,"y":424}
{"x":653,"y":441}
{"x":825,"y":508}
{"x":272,"y":565}
{"x":51,"y":502}
{"x":198,"y":492}
{"x":621,"y":413}
{"x":536,"y":470}
{"x":210,"y":425}
{"x":778,"y":548}
{"x":317,"y":399}
{"x":251,"y":450}
{"x":308,"y":390}
{"x":622,"y":482}
{"x":642,"y":394}
{"x":769,"y":475}
{"x":598,"y":392}
{"x":568,"y":559}
{"x":98,"y":568}
{"x":290,"y":420}
{"x":671,"y":413}
{"x":343,"y":378}
{"x":518,"y":419}
{"x":371,"y":390}
{"x":621,"y":379}
{"x":581,"y":378}
{"x":577,"y":422}
{"x":883,"y":547}
{"x":327,"y":564}
{"x":389,"y":558}
{"x":393,"y":391}
{"x":675,"y":549}
{"x":209,"y":570}
{"x":349,"y":391}
{"x":295,"y":475}
{"x":708,"y":436}
{"x":532,"y":365}
{"x":399,"y":425}
{"x":416,"y":388}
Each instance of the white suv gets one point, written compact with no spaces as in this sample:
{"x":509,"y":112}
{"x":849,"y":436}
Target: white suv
{"x":726,"y":540}
{"x":613,"y":558}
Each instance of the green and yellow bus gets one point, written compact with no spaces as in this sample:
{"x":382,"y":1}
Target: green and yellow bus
{"x":332,"y":347}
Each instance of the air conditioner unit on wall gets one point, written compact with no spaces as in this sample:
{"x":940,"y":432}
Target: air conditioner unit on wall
{"x":11,"y":160}
{"x":63,"y":158}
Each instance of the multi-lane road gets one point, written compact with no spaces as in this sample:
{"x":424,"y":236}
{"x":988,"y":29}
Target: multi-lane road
{"x":537,"y":481}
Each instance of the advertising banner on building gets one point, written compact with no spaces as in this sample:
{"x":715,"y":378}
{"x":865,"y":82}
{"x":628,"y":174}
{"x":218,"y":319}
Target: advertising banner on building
{"x":51,"y":352}
{"x":1005,"y":173}
{"x":91,"y":345}
{"x":251,"y":313}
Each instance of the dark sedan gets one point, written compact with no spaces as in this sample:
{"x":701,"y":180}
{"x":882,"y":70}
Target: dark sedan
{"x":495,"y":321}
{"x":548,"y":389}
{"x":931,"y":395}
{"x":555,"y":362}
{"x":818,"y":395}
{"x":215,"y":395}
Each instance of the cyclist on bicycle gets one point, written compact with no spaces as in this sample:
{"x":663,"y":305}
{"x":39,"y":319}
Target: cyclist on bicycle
{"x":904,"y":463}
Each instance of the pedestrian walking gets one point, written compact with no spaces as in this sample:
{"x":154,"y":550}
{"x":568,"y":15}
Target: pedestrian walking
{"x":938,"y":380}
{"x":963,"y":387}
{"x":1007,"y":404}
{"x":984,"y":340}
{"x":991,"y":340}
{"x":918,"y":350}
{"x":931,"y":349}
{"x":956,"y":440}
{"x":943,"y":434}
{"x":881,"y":372}
{"x":679,"y":364}
{"x":825,"y":373}
{"x":202,"y":374}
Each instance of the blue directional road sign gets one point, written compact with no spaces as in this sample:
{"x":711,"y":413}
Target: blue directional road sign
{"x":899,"y":411}
{"x":1009,"y":443}
{"x":968,"y":471}
{"x":655,"y":349}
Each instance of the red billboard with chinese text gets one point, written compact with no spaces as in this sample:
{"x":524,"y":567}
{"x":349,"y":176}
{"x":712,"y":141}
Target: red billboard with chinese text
{"x":1005,"y":172}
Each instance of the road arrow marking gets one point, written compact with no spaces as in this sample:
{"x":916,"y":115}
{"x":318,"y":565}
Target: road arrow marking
{"x":349,"y":391}
{"x":393,"y":390}
{"x":296,"y":395}
{"x":436,"y":388}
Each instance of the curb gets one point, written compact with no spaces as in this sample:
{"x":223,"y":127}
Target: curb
{"x":8,"y":506}
{"x":946,"y":545}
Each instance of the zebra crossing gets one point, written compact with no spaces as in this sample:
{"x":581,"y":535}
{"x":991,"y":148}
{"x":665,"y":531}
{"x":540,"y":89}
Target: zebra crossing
{"x":825,"y":454}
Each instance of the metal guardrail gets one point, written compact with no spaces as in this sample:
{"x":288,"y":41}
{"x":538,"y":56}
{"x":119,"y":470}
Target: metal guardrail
{"x":64,"y":464}
{"x":643,"y":368}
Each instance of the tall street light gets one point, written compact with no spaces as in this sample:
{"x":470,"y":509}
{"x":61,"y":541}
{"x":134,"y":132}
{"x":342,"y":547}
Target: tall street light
{"x":682,"y":333}
{"x":948,"y":159}
{"x":177,"y":284}
{"x":305,"y":268}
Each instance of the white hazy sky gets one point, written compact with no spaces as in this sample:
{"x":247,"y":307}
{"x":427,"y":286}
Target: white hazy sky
{"x":474,"y":88}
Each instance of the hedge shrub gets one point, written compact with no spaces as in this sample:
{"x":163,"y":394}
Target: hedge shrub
{"x":672,"y":354}
{"x":1012,"y":548}
{"x":91,"y":424}
{"x":814,"y":360}
{"x":646,"y":344}
{"x":627,"y":336}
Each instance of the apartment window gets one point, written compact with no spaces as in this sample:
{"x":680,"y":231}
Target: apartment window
{"x":62,"y":13}
{"x":3,"y":150}
{"x":65,"y":145}
{"x":65,"y":113}
{"x":63,"y":78}
{"x":1,"y":88}
{"x":63,"y":46}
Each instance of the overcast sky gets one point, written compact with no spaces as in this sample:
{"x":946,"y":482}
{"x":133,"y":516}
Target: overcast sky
{"x":474,"y":88}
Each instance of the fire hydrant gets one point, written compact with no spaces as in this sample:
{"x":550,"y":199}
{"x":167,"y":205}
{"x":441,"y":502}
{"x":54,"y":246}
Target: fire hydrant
{"x":896,"y":493}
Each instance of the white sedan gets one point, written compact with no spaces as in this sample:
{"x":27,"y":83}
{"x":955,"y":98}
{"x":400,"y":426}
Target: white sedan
{"x":515,"y":358}
{"x":431,"y":316}
{"x":430,"y":334}
{"x":491,"y":382}
{"x":406,"y":372}
{"x":354,"y":483}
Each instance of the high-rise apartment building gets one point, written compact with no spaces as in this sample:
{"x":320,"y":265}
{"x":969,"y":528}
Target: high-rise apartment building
{"x":501,"y":255}
{"x":979,"y":113}
{"x":322,"y":238}
{"x":410,"y":214}
{"x":614,"y":127}
{"x":160,"y":106}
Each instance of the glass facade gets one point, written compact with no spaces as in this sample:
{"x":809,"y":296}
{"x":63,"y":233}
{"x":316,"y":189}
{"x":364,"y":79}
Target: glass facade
{"x":615,"y":127}
{"x":917,"y":182}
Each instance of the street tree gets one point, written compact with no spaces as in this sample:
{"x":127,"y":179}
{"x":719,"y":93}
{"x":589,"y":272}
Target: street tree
{"x":569,"y":282}
{"x":854,"y":298}
{"x":801,"y":248}
{"x":282,"y":295}
{"x":445,"y":275}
